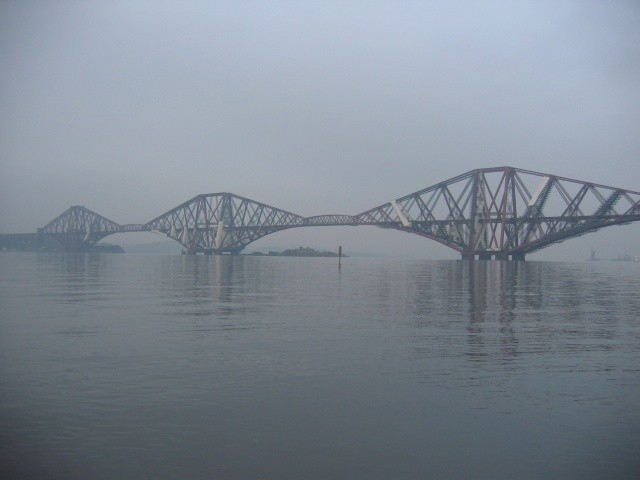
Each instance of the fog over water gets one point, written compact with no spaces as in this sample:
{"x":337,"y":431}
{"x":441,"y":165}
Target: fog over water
{"x":414,"y":366}
{"x":239,"y":367}
{"x":131,"y":108}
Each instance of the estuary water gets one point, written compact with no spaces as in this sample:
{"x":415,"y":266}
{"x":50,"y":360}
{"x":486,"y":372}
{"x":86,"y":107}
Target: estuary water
{"x":181,"y":367}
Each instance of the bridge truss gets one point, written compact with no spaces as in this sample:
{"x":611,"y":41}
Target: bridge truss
{"x":501,"y":212}
{"x":78,"y":228}
{"x":221,"y":223}
{"x":506,"y":211}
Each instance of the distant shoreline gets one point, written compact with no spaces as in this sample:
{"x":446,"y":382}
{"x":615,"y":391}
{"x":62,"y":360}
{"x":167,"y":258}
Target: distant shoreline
{"x":297,"y":252}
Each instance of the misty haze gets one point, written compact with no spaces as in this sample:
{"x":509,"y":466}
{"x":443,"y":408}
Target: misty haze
{"x":290,"y":240}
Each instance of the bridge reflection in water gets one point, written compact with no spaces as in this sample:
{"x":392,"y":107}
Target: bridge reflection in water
{"x":501,"y":213}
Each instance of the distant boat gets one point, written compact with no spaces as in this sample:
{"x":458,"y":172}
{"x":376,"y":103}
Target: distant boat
{"x":626,"y":258}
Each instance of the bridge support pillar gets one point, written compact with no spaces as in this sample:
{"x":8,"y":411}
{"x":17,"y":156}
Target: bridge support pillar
{"x":518,"y":257}
{"x":502,"y":256}
{"x":484,"y":256}
{"x":468,"y":256}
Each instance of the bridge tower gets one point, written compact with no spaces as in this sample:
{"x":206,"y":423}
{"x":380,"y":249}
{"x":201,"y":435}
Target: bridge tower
{"x":219,"y":223}
{"x":506,"y":212}
{"x":78,"y":229}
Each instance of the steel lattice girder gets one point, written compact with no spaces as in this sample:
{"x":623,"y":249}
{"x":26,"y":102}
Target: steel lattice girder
{"x":79,"y":225}
{"x":506,"y":210}
{"x":331,"y":220}
{"x":222,"y":222}
{"x":501,"y":211}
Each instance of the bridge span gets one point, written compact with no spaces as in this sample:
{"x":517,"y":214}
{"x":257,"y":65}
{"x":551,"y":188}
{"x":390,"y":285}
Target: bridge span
{"x":501,"y":212}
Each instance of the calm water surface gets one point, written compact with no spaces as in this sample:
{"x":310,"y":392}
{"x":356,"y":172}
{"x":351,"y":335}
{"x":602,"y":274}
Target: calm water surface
{"x":125,"y":366}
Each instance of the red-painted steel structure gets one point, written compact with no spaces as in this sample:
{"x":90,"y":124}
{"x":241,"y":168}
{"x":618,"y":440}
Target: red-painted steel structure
{"x":501,"y":212}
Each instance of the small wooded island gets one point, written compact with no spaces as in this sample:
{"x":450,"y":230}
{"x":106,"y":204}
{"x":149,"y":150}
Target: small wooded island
{"x":299,"y":252}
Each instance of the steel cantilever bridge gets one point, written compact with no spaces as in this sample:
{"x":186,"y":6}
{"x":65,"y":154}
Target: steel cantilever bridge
{"x":501,"y":212}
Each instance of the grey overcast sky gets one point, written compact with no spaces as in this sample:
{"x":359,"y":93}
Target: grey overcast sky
{"x":132,"y":107}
